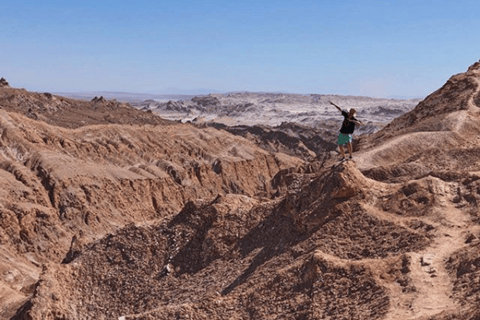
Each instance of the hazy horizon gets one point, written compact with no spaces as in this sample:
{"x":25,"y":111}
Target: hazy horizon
{"x":197,"y":92}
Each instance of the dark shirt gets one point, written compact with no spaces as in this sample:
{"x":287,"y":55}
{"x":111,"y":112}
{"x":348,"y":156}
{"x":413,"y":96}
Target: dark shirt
{"x":347,"y":126}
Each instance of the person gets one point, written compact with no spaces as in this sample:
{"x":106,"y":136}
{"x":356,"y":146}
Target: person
{"x":348,"y":126}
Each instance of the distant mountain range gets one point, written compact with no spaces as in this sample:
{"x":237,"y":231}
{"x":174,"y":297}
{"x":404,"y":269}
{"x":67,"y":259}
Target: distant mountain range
{"x":173,"y":94}
{"x":126,"y":96}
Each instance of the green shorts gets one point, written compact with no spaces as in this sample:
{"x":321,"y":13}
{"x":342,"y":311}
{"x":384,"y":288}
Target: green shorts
{"x":343,"y":138}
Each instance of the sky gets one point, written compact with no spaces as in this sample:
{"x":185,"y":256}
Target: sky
{"x":406,"y":48}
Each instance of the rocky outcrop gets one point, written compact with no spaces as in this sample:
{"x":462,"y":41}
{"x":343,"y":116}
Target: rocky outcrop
{"x":206,"y":101}
{"x":99,"y":99}
{"x":4,"y":83}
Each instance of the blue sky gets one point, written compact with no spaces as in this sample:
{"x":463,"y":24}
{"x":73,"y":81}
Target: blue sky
{"x":374,"y":48}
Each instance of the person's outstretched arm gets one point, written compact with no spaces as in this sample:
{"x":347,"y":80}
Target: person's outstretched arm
{"x":333,"y":104}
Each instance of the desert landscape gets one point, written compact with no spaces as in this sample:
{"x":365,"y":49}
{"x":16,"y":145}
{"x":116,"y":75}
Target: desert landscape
{"x":236,"y":206}
{"x":273,"y":109}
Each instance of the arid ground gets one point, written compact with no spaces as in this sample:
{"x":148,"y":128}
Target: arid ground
{"x":108,"y":211}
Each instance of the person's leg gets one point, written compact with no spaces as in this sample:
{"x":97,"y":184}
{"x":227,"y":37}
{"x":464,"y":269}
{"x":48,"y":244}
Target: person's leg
{"x":350,"y":149}
{"x":342,"y":151}
{"x":341,"y":141}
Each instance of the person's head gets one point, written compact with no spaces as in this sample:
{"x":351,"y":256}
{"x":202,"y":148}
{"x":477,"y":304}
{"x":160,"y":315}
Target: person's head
{"x":352,"y":113}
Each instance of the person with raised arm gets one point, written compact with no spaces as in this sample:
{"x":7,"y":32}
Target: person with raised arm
{"x":346,"y":131}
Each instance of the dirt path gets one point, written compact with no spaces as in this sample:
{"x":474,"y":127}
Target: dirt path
{"x":427,"y":270}
{"x":433,"y":285}
{"x":398,"y":149}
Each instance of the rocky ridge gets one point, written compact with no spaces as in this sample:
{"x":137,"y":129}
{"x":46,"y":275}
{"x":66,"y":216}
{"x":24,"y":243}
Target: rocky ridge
{"x":69,"y":113}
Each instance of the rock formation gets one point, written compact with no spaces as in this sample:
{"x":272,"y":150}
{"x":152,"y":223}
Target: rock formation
{"x":97,"y":99}
{"x":176,"y":221}
{"x":4,"y":83}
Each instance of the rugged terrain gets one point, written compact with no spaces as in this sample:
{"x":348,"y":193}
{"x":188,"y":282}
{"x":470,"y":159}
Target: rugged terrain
{"x":129,"y":97}
{"x":69,"y":113}
{"x":180,"y":221}
{"x":273,"y":109}
{"x":299,"y":125}
{"x":59,"y":183}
